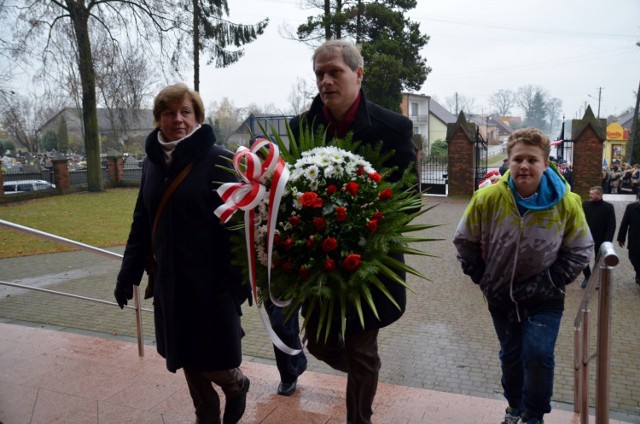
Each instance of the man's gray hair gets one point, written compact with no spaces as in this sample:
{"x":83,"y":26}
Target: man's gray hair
{"x":350,"y":52}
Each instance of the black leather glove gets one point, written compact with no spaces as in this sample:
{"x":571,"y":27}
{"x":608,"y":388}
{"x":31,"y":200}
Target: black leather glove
{"x":122,"y":292}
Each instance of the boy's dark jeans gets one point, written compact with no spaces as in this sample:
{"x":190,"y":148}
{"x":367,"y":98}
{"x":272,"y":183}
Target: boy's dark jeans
{"x":527,"y":359}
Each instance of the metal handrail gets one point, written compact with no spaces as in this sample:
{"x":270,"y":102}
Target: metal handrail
{"x":603,"y":270}
{"x":52,"y":237}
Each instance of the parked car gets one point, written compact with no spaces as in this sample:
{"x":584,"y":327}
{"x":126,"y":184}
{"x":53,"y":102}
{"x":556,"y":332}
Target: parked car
{"x":21,"y":186}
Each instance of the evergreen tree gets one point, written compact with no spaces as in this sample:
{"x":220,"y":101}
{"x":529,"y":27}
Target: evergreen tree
{"x":390,"y":44}
{"x":63,"y":135}
{"x":212,"y":34}
{"x":49,"y":141}
{"x":537,"y":113}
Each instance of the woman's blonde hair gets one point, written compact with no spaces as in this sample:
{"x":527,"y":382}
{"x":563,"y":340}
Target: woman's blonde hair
{"x":173,"y":95}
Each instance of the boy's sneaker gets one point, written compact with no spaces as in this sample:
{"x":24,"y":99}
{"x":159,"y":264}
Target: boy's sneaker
{"x":530,"y":421}
{"x":511,"y":416}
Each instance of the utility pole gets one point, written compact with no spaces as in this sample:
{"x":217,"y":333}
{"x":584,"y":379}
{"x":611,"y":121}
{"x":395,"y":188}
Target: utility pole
{"x":599,"y":99}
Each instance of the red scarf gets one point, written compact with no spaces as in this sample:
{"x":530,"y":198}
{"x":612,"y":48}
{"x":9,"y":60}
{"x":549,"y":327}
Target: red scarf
{"x":340,"y":129}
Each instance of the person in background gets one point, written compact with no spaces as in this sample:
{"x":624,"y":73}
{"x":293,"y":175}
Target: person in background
{"x":606,"y":183}
{"x":601,"y":218}
{"x":615,"y":176}
{"x":196,"y":292}
{"x":635,"y":178}
{"x":631,"y":225}
{"x":342,"y":108}
{"x":504,"y":167}
{"x":522,"y":241}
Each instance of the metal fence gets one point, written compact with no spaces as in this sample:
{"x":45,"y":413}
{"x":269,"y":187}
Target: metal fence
{"x":434,"y":175}
{"x":77,"y":178}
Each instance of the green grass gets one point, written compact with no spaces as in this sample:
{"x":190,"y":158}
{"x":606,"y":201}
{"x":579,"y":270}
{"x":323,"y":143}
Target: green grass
{"x":99,"y":219}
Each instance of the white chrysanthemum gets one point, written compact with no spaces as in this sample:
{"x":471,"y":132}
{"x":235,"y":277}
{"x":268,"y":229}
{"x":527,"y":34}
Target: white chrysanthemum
{"x":330,"y":172}
{"x":312,"y":172}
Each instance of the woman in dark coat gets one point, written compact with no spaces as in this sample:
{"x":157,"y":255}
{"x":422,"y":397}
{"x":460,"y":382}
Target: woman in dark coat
{"x":197,"y":293}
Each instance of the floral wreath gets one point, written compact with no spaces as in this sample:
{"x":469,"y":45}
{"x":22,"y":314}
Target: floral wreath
{"x":328,"y":231}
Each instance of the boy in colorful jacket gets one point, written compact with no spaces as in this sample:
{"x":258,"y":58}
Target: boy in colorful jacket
{"x":522,"y":241}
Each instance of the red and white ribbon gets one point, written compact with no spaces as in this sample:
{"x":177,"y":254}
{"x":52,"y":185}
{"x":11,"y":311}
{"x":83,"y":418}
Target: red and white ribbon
{"x":248,"y":193}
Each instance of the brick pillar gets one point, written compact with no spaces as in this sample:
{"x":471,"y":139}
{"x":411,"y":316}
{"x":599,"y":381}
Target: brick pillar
{"x":588,"y":135}
{"x":462,"y":157}
{"x":115,"y":169}
{"x":61,"y":174}
{"x":1,"y":180}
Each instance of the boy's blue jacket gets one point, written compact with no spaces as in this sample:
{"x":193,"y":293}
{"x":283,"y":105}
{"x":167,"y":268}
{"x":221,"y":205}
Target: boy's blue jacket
{"x":523,"y":262}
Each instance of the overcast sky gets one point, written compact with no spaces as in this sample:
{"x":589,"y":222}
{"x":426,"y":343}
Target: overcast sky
{"x":570,"y":48}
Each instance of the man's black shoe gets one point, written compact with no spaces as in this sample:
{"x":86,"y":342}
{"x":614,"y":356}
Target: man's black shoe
{"x":584,"y":283}
{"x":236,"y":405}
{"x":287,"y":389}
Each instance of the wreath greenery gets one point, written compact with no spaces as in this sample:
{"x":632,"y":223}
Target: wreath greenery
{"x":339,"y":219}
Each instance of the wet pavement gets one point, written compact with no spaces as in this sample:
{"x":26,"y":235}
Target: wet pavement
{"x":444,"y":342}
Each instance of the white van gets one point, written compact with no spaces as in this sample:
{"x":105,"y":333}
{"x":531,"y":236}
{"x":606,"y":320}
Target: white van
{"x":21,"y":186}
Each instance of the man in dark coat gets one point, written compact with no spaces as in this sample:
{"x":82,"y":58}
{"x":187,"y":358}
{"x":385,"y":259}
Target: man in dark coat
{"x":341,"y":107}
{"x":601,"y":218}
{"x":197,"y":292}
{"x":631,"y":224}
{"x":504,"y":167}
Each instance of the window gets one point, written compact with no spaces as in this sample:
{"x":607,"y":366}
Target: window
{"x":413,"y":111}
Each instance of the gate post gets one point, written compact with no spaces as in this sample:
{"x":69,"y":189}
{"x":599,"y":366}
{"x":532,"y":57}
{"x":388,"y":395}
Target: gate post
{"x":61,"y":174}
{"x":588,"y":135}
{"x":462,"y":157}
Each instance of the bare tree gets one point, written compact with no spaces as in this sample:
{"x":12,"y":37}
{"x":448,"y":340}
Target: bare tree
{"x":554,"y":108}
{"x":226,"y":118}
{"x":301,"y":96}
{"x":38,"y":24}
{"x":459,"y":103}
{"x":22,"y":116}
{"x":125,"y":82}
{"x":502,"y":100}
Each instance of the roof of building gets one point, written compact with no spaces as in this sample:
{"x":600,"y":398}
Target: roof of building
{"x":437,"y":110}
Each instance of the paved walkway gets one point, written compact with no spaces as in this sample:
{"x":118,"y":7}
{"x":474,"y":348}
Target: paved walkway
{"x":445,"y":341}
{"x":58,"y":377}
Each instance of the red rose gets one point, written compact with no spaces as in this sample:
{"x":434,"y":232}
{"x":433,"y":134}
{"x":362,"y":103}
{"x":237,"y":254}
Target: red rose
{"x":329,"y":265}
{"x":341,"y":214}
{"x":277,"y":239}
{"x":385,"y":194}
{"x":295,"y":220}
{"x":351,"y":187}
{"x":319,"y":223}
{"x":378,"y":216}
{"x":329,"y":244}
{"x":360,"y":170}
{"x":375,"y":177}
{"x":372,"y":225}
{"x":351,"y":262}
{"x":311,"y":241}
{"x":304,"y":272}
{"x":331,"y":189}
{"x":311,"y":200}
{"x":288,"y":243}
{"x":287,"y":266}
